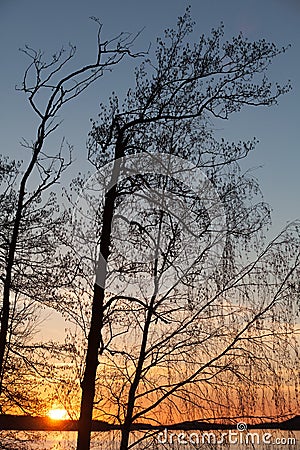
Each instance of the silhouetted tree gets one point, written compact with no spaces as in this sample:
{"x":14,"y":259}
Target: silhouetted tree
{"x":155,"y":347}
{"x":31,"y":219}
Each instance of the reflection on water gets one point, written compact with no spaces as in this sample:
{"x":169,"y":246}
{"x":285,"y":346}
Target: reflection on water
{"x":55,"y":440}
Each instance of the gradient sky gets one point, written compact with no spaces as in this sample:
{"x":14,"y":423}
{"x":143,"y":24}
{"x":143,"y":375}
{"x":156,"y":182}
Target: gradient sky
{"x":48,"y":25}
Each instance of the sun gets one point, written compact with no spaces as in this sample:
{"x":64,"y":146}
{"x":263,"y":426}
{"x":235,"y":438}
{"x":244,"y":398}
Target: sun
{"x":58,"y":414}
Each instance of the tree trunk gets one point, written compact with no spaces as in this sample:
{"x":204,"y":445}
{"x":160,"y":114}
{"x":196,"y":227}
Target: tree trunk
{"x":4,"y":321}
{"x":125,"y":438}
{"x":94,"y":338}
{"x":4,"y":324}
{"x":132,"y":391}
{"x":131,"y":396}
{"x":89,"y":380}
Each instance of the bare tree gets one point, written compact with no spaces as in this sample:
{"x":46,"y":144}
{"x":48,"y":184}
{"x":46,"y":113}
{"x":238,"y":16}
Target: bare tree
{"x":164,"y":333}
{"x":32,"y":221}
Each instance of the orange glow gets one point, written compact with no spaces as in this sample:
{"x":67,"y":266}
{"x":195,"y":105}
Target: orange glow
{"x":58,"y":414}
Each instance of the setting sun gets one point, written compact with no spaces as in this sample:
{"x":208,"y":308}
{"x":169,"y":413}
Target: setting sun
{"x":58,"y":414}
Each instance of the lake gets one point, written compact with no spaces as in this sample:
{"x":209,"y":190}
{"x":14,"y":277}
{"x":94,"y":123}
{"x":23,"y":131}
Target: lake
{"x":167,"y":440}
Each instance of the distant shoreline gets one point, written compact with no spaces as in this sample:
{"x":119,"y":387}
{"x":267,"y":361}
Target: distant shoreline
{"x":30,"y":423}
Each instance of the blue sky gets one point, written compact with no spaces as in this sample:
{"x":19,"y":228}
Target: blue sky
{"x":48,"y":25}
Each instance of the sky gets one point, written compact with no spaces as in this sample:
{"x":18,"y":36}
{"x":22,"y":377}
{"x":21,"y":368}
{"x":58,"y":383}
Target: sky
{"x":49,"y":25}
